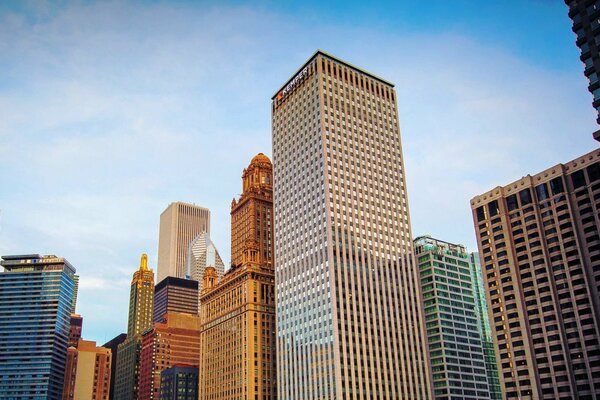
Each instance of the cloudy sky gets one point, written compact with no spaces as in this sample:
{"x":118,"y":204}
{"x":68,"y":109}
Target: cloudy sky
{"x":111,"y":110}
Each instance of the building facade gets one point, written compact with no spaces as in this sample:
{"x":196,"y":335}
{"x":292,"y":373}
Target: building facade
{"x":174,"y":341}
{"x":585,"y":15}
{"x":252,"y":213}
{"x":36,"y":295}
{"x":175,"y":295}
{"x":539,"y":246}
{"x":237,"y":354}
{"x":202,"y":253}
{"x":452,"y":322}
{"x":180,"y":223}
{"x":141,"y":299}
{"x":179,"y":382}
{"x":75,"y":327}
{"x":87,"y":375}
{"x":113,"y":345}
{"x":349,"y":319}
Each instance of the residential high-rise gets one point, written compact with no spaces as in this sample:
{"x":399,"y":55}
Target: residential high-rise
{"x":539,"y":246}
{"x":75,"y":327}
{"x":113,"y":345}
{"x":87,"y":375}
{"x":179,"y":382}
{"x":180,"y":223}
{"x":252,"y":213}
{"x":586,"y":25}
{"x":453,"y":327}
{"x":174,"y":341}
{"x":36,"y":294}
{"x":141,"y":300}
{"x":237,"y":353}
{"x":175,"y":295}
{"x":349,"y":315}
{"x":202,"y":253}
{"x":491,"y":360}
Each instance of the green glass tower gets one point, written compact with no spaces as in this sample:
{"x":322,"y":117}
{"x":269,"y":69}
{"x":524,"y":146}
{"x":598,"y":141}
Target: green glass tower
{"x":484,"y":326}
{"x":452,"y":320}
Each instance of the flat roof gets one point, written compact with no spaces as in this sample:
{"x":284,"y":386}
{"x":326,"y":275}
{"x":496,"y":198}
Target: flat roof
{"x":338,"y":60}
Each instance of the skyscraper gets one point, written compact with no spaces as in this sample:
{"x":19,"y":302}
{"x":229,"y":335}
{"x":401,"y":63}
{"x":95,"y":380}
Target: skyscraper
{"x":180,"y":223}
{"x":175,"y":295}
{"x":453,"y":323}
{"x":586,"y":25}
{"x":349,"y":315}
{"x":75,"y":327}
{"x":179,"y":382}
{"x":140,"y":319}
{"x":87,"y":375}
{"x":539,"y":246}
{"x":202,"y":253}
{"x":36,"y":295}
{"x":113,"y":345}
{"x":252,"y":213}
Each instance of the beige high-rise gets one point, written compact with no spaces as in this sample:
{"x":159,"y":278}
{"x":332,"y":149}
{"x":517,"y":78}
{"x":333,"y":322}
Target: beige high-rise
{"x":539,"y":245}
{"x":87,"y":373}
{"x":349,"y":315}
{"x":180,"y":223}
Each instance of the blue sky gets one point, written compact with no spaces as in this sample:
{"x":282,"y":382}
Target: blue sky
{"x":109,"y":111}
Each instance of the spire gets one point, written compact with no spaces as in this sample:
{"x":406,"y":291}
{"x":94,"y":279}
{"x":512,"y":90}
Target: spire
{"x":144,"y":262}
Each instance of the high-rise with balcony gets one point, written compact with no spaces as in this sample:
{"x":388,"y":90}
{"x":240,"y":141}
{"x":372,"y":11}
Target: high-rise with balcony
{"x":180,"y":223}
{"x":586,"y":25}
{"x":141,"y":300}
{"x":452,"y":320}
{"x":349,"y":316}
{"x":36,"y":294}
{"x":539,"y":245}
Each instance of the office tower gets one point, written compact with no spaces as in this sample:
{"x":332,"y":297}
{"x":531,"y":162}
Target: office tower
{"x":87,"y":375}
{"x":453,"y":327}
{"x":252,"y":213}
{"x":175,"y":295}
{"x":35,"y":308}
{"x":75,"y":291}
{"x":586,"y":25}
{"x":237,"y":354}
{"x":140,"y":319}
{"x":349,"y":315}
{"x":113,"y":345}
{"x":489,"y":353}
{"x":180,"y":382}
{"x":540,"y":253}
{"x":75,"y":326}
{"x":202,"y":253}
{"x":180,"y":223}
{"x":176,"y":341}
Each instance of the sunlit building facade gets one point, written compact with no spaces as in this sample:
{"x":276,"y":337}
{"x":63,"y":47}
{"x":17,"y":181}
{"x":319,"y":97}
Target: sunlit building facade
{"x":36,"y":294}
{"x":539,"y":245}
{"x":349,"y":317}
{"x":87,"y":375}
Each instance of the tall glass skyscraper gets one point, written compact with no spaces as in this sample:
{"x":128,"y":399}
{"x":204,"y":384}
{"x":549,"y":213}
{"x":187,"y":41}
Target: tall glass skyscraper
{"x":36,"y":296}
{"x":349,"y":316}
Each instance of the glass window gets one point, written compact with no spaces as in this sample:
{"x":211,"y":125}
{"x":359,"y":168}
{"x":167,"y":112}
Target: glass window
{"x":493,"y":208}
{"x":593,"y":78}
{"x":556,"y":185}
{"x":511,"y":202}
{"x":525,"y":196}
{"x":578,"y":179}
{"x":542,"y":192}
{"x":480,"y":213}
{"x":593,"y":172}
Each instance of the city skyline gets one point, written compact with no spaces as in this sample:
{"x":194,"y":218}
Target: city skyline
{"x":110,"y":201}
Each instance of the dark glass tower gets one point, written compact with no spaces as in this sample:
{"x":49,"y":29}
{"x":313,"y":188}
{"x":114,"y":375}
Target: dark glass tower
{"x":36,"y":294}
{"x":586,"y":25}
{"x":175,"y":295}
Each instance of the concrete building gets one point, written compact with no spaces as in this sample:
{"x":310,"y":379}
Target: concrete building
{"x":36,"y":295}
{"x":237,"y":354}
{"x":113,"y":345}
{"x":141,"y":301}
{"x":586,"y":26}
{"x":202,"y":253}
{"x":175,"y":295}
{"x":75,"y":327}
{"x":252,"y":213}
{"x":350,"y":323}
{"x":179,"y":382}
{"x":453,"y":327}
{"x":87,"y":375}
{"x":539,"y":246}
{"x":175,"y":341}
{"x":180,"y":223}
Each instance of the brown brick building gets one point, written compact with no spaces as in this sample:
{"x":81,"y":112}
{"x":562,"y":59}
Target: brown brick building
{"x":539,"y":246}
